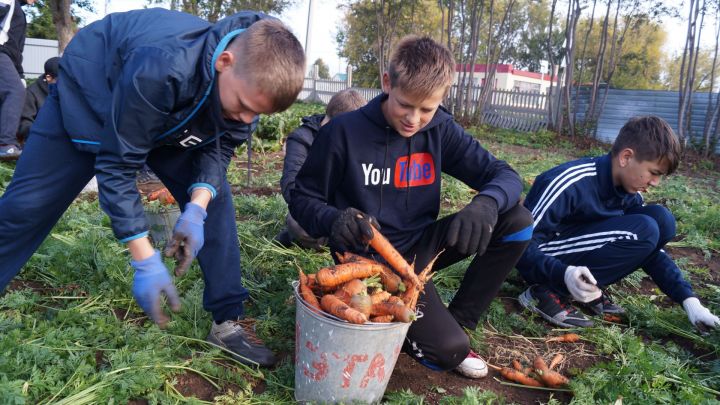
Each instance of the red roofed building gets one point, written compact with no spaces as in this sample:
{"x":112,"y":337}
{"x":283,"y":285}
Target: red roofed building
{"x":507,"y":78}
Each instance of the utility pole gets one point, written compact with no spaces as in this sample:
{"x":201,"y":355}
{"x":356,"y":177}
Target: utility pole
{"x":308,"y":33}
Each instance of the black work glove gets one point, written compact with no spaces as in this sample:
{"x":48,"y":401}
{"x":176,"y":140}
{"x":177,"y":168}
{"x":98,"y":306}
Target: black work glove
{"x":351,"y":230}
{"x":472,"y":227}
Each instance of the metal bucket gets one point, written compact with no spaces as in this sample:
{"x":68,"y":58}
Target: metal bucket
{"x":161,"y":224}
{"x":336,"y":361}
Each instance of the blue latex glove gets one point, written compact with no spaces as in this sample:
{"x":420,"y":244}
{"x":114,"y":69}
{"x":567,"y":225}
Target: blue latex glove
{"x":188,"y":237}
{"x":150,"y":281}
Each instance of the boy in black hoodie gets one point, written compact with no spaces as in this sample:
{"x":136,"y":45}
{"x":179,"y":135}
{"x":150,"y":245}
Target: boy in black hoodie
{"x":296,"y":150}
{"x":383,"y":164}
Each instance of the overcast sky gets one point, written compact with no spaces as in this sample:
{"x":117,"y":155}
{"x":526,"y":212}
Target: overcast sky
{"x":327,"y":16}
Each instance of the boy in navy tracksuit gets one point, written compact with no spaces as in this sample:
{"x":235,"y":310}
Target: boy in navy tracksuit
{"x":178,"y":93}
{"x":297,"y":148}
{"x":383,"y":163}
{"x":592,"y":228}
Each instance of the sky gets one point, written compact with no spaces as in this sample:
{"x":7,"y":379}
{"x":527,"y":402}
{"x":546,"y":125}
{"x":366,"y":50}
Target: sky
{"x":327,"y":16}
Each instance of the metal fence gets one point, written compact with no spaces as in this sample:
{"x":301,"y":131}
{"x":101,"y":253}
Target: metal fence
{"x":36,"y":52}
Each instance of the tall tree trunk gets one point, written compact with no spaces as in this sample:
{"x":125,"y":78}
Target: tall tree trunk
{"x":591,"y":23}
{"x":63,"y":22}
{"x":573,"y":18}
{"x":475,"y":24}
{"x":687,"y":73}
{"x":590,"y":115}
{"x":553,"y":76}
{"x":462,"y":76}
{"x":712,"y":110}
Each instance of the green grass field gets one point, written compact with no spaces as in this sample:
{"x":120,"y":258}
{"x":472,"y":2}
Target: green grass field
{"x":70,"y":332}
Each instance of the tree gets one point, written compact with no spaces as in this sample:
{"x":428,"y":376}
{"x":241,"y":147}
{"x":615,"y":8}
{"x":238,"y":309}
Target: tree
{"x":213,"y":10}
{"x":56,"y":19}
{"x":529,"y":25}
{"x":371,"y":29}
{"x":323,"y":69}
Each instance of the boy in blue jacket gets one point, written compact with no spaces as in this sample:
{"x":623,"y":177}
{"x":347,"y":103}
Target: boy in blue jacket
{"x":382,"y":164}
{"x":178,"y":93}
{"x":592,"y":228}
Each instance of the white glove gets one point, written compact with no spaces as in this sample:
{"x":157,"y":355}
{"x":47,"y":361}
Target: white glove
{"x":581,"y":284}
{"x":698,"y":314}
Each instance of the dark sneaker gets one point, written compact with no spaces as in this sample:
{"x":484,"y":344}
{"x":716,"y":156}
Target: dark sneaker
{"x":605,"y":305}
{"x":239,"y":337}
{"x":554,"y":308}
{"x":473,"y":366}
{"x":10,"y":152}
{"x":147,"y":177}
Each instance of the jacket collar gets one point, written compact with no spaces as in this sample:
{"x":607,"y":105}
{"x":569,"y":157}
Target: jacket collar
{"x":605,"y":179}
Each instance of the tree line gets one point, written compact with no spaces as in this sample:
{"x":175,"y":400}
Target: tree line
{"x":593,"y":43}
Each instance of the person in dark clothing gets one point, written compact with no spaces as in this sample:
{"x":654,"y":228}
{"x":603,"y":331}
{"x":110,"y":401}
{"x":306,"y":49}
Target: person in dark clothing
{"x":383,"y":163}
{"x":12,"y":91}
{"x":297,"y":147}
{"x":176,"y":92}
{"x":592,"y":229}
{"x":35,"y":97}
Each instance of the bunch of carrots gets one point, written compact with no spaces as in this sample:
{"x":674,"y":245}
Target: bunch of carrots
{"x":359,"y":289}
{"x":540,"y":374}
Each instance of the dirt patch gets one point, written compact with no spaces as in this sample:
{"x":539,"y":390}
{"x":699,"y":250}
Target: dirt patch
{"x":192,"y":385}
{"x":258,"y":191}
{"x":697,"y":258}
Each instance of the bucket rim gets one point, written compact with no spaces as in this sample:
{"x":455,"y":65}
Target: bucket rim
{"x":343,"y":323}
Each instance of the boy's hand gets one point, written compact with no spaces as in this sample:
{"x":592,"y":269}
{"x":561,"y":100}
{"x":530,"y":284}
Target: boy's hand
{"x":188,"y":237}
{"x":699,"y":316}
{"x":150,"y":282}
{"x":352,"y":230}
{"x":581,"y":284}
{"x":471,"y":229}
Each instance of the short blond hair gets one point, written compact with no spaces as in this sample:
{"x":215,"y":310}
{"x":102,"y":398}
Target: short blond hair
{"x":344,"y":101}
{"x":421,"y":66}
{"x":271,"y":57}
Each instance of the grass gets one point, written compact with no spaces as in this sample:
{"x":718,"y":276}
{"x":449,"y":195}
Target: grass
{"x":71,"y":333}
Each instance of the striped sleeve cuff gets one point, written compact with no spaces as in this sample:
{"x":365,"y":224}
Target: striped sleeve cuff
{"x":206,"y":186}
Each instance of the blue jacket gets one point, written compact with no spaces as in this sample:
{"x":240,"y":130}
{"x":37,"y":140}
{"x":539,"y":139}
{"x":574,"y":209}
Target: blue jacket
{"x":572,"y":194}
{"x":358,"y":160}
{"x":135,"y":81}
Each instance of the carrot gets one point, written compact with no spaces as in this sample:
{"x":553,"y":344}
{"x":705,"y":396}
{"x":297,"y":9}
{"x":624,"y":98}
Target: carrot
{"x":519,"y":377}
{"x":352,"y":287}
{"x":566,"y":338}
{"x":379,"y":296}
{"x":362,"y":303}
{"x":391,"y":281}
{"x":393,"y":257}
{"x":306,"y":292}
{"x":412,"y":293}
{"x":556,"y":360}
{"x":332,"y":305}
{"x":163,"y":195}
{"x":333,"y":276}
{"x":549,"y":377}
{"x":399,"y":311}
{"x":612,"y":318}
{"x":382,"y":319}
{"x":517,"y":366}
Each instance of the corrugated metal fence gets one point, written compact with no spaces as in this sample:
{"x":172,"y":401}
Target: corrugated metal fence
{"x":624,"y":104}
{"x":36,"y":52}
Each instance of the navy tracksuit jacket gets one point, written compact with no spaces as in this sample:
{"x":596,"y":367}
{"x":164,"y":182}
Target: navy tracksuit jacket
{"x":134,"y":88}
{"x":582,"y":219}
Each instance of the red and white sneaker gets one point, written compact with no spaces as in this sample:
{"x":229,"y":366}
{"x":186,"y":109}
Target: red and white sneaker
{"x":473,"y":366}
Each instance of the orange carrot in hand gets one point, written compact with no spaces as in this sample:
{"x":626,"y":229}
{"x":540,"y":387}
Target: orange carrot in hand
{"x":333,"y":276}
{"x":393,"y":257}
{"x":332,"y":305}
{"x":566,"y":338}
{"x":519,"y":377}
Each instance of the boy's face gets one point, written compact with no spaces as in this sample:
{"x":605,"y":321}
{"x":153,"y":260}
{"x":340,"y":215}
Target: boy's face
{"x":408,"y":114}
{"x":241,"y":100}
{"x":636,"y":176}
